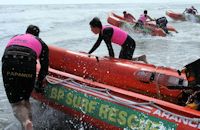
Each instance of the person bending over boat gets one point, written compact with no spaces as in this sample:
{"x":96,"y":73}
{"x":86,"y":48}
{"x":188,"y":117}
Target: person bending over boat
{"x":142,"y":19}
{"x":128,"y":17}
{"x":19,"y":71}
{"x":162,"y":23}
{"x":191,"y":10}
{"x":192,"y":92}
{"x":112,"y":34}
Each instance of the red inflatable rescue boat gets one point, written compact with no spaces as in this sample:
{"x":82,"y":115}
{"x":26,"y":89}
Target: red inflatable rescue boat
{"x":149,"y":27}
{"x":175,"y":16}
{"x":102,"y":92}
{"x":184,"y":16}
{"x":129,"y":75}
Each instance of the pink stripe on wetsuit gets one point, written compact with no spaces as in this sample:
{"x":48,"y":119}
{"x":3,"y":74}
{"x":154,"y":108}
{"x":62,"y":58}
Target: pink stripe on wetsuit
{"x":27,"y":40}
{"x":119,"y":36}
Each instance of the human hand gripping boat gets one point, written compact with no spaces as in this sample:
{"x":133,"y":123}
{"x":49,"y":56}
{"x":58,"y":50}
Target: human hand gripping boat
{"x":149,"y":27}
{"x":183,"y":16}
{"x":116,"y":94}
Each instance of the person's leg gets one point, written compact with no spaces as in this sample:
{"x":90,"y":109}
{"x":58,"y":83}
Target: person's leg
{"x":138,"y":25}
{"x":127,"y":49}
{"x":29,"y":85}
{"x":22,"y":108}
{"x":28,"y":106}
{"x":22,"y":113}
{"x":141,"y":58}
{"x":29,"y":124}
{"x":19,"y":83}
{"x":122,"y":54}
{"x":164,"y":27}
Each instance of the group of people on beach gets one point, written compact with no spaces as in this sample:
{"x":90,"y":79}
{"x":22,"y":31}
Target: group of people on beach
{"x":22,"y":51}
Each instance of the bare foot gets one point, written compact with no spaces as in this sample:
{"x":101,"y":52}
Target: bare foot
{"x":141,"y":58}
{"x":28,"y":125}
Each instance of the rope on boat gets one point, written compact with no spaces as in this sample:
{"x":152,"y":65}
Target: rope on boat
{"x":151,"y":103}
{"x":59,"y":80}
{"x":68,"y":80}
{"x":154,"y":105}
{"x":126,"y":103}
{"x":88,"y":87}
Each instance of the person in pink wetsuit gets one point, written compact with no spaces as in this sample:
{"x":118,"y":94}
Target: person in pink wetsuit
{"x":128,"y":17}
{"x":19,"y":71}
{"x":143,"y":18}
{"x":111,"y":34}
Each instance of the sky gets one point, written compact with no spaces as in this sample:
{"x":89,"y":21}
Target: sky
{"x":2,"y":2}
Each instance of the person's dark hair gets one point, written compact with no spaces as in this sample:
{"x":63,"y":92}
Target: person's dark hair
{"x":34,"y":30}
{"x":145,"y":11}
{"x":95,"y":22}
{"x":124,"y":12}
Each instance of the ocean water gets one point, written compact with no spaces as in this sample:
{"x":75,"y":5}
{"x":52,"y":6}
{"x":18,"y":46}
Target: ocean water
{"x":67,"y":26}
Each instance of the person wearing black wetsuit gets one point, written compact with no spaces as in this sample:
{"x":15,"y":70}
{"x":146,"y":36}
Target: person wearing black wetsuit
{"x":162,"y":23}
{"x":191,"y":10}
{"x":111,"y":34}
{"x":19,"y":71}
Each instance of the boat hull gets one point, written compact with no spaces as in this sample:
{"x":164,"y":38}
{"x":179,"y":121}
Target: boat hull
{"x":130,"y":75}
{"x":175,"y":16}
{"x":107,"y":107}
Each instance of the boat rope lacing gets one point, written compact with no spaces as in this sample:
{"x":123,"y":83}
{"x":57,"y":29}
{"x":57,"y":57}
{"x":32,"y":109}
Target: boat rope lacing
{"x":90,"y":88}
{"x":118,"y":99}
{"x":68,"y":80}
{"x":59,"y":81}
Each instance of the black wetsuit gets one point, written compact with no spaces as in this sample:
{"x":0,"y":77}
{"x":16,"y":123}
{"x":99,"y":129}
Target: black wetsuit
{"x":162,"y":23}
{"x":127,"y":49}
{"x":191,"y":11}
{"x":19,"y":70}
{"x":193,"y":69}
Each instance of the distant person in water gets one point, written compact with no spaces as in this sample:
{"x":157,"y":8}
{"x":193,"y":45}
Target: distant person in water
{"x":128,"y":17}
{"x":112,"y":34}
{"x":142,"y":19}
{"x":162,"y":23}
{"x":191,"y":10}
{"x":19,"y":71}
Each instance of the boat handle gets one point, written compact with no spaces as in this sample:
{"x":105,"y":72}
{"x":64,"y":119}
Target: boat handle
{"x":151,"y":79}
{"x":146,"y":82}
{"x":97,"y":58}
